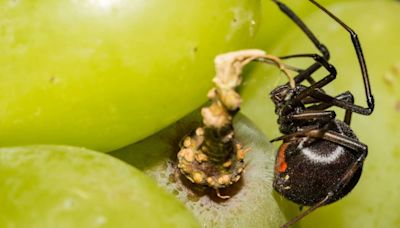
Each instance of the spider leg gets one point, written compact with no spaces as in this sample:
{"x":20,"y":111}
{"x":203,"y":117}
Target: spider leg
{"x":307,"y":73}
{"x":320,"y":95}
{"x":312,"y":91}
{"x":361,"y":60}
{"x":325,"y":52}
{"x":319,"y":84}
{"x":304,"y":75}
{"x":316,"y":112}
{"x":324,"y":116}
{"x":301,"y":121}
{"x":308,"y":211}
{"x":301,"y":133}
{"x":286,"y":10}
{"x":323,"y":101}
{"x":344,"y":100}
{"x":322,"y":133}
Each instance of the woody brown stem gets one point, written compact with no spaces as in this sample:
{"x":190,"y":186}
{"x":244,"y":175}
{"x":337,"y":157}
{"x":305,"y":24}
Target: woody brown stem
{"x":218,"y":144}
{"x":212,"y":156}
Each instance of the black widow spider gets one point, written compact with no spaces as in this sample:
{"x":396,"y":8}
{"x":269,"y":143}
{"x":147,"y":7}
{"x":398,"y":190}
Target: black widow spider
{"x":320,"y":159}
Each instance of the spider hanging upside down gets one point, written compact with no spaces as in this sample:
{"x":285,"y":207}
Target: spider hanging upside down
{"x":320,"y":159}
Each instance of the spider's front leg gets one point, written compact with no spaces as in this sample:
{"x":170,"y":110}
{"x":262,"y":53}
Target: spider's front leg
{"x":306,"y":74}
{"x":327,"y":101}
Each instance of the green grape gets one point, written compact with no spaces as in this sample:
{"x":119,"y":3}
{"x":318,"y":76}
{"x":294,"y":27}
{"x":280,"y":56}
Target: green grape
{"x":60,"y":186}
{"x":374,"y":202}
{"x":103,"y":74}
{"x":252,"y":202}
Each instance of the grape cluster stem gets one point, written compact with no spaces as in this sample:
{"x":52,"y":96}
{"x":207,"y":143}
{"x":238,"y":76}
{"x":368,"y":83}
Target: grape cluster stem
{"x":212,"y":156}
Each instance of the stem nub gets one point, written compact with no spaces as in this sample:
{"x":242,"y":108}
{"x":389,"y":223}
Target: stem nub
{"x":212,"y":156}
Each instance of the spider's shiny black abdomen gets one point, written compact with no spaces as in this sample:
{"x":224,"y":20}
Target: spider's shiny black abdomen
{"x":305,"y":174}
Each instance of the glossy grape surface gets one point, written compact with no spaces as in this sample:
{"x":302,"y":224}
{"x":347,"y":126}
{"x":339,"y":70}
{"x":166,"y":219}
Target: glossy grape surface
{"x":103,"y":74}
{"x":59,"y":186}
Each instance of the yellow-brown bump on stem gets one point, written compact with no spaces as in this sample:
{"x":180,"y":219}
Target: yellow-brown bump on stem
{"x":227,"y":164}
{"x":188,"y":154}
{"x":187,"y":142}
{"x":224,"y":179}
{"x":201,"y":157}
{"x":198,"y":177}
{"x":200,"y":131}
